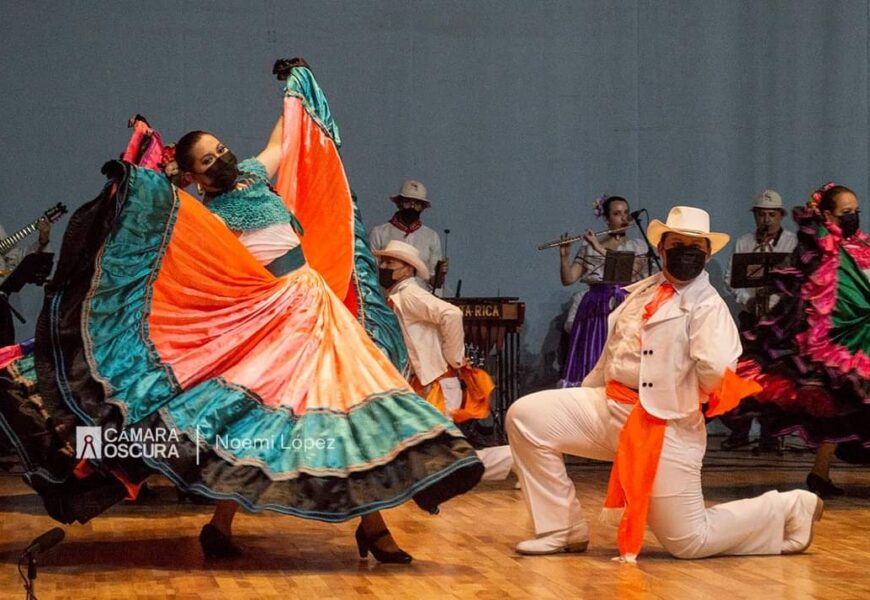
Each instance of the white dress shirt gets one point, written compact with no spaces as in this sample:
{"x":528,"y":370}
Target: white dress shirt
{"x":678,"y":356}
{"x":432,"y":329}
{"x":425,"y":240}
{"x":786,"y":242}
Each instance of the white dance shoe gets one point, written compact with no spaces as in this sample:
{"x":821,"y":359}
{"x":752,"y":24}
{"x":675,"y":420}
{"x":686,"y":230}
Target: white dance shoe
{"x":571,"y":539}
{"x":803,"y":509}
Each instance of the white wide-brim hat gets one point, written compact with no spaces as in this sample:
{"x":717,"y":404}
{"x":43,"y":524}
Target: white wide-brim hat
{"x":407,"y":254}
{"x":412,"y":190}
{"x":690,"y":221}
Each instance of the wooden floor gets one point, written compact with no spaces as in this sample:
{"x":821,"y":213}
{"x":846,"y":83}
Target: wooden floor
{"x":150,"y":550}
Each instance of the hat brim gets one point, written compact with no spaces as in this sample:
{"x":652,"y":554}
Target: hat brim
{"x":419,"y":266}
{"x":398,"y":197}
{"x":657,"y":229}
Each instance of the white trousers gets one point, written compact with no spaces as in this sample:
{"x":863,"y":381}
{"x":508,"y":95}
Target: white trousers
{"x":497,"y":462}
{"x":583,"y":422}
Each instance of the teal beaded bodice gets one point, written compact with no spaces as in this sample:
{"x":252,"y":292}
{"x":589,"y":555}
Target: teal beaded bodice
{"x":255,"y":206}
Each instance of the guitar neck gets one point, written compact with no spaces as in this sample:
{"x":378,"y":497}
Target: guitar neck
{"x":10,"y":242}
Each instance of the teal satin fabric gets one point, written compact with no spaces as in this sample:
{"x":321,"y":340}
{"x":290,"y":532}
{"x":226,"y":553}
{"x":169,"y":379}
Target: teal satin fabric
{"x":116,"y":326}
{"x":287,"y":263}
{"x":116,"y":313}
{"x":302,"y":85}
{"x":375,"y":316}
{"x":232,"y":419}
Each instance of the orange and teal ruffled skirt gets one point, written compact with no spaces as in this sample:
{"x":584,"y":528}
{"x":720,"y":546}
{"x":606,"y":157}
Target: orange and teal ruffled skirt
{"x":267,"y":388}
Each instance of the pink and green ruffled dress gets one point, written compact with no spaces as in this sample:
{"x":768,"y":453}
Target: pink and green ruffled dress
{"x":812,"y":356}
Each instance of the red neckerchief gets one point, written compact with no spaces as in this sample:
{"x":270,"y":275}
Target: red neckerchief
{"x":407,"y":229}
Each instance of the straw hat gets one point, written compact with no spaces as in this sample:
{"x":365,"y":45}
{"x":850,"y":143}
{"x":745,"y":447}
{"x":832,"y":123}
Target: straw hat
{"x":407,"y":254}
{"x":689,"y":221}
{"x":412,"y":190}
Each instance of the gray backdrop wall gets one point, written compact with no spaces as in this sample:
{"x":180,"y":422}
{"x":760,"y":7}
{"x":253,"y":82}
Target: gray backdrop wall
{"x":515,"y":114}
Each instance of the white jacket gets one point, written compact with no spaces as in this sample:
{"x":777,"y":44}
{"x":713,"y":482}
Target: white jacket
{"x":432,"y":329}
{"x":685,"y":348}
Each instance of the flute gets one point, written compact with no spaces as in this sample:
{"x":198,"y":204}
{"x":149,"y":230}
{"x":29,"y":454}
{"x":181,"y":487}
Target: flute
{"x":574,"y":238}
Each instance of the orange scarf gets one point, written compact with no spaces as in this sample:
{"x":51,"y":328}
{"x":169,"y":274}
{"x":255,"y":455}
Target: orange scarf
{"x":640,"y":445}
{"x":477,"y":387}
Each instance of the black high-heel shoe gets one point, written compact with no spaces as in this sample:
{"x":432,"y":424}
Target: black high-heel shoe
{"x":366,"y":544}
{"x":823,"y":488}
{"x":217,"y":545}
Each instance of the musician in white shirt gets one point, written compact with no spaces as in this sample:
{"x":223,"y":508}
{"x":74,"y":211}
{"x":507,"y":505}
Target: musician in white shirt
{"x":769,"y":236}
{"x":406,"y":226}
{"x":671,"y":345}
{"x":433,"y":332}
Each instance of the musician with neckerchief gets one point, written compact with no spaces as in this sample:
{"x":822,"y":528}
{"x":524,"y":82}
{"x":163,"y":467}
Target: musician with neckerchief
{"x":8,"y":264}
{"x":406,"y":225}
{"x":587,"y":319}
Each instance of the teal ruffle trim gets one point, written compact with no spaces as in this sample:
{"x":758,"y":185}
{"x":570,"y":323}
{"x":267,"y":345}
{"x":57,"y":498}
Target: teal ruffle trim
{"x":255,"y":206}
{"x":116,"y":320}
{"x":301,"y":84}
{"x":231,"y":419}
{"x":375,"y":316}
{"x":140,"y":383}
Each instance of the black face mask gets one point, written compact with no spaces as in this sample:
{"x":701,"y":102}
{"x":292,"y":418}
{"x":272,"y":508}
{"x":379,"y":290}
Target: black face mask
{"x":685,"y":263}
{"x":408,"y":215}
{"x":385,"y":278}
{"x":849,"y":223}
{"x":223,"y":172}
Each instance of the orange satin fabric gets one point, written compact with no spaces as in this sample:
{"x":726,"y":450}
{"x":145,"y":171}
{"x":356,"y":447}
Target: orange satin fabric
{"x":288,"y":339}
{"x":475,"y":395}
{"x":663,"y":293}
{"x":312,"y":183}
{"x":634,"y":468}
{"x":728,"y":394}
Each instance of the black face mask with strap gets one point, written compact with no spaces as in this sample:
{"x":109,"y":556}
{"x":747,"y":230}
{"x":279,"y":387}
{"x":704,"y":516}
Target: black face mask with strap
{"x":224,"y":172}
{"x":849,"y":224}
{"x":685,"y":263}
{"x":385,"y":278}
{"x":408,"y":215}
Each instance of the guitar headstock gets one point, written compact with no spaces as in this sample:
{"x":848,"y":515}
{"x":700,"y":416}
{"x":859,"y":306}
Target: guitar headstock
{"x":54,"y":213}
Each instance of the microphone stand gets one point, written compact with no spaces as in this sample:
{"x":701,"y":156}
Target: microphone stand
{"x":4,"y":301}
{"x":650,"y":251}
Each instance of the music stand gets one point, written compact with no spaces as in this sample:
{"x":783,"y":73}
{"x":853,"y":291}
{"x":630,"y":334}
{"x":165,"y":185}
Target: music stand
{"x":752,"y":269}
{"x":618,"y":267}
